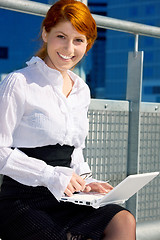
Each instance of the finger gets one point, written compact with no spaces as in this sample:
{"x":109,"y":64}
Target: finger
{"x":107,"y":186}
{"x":93,"y":186}
{"x":103,"y":190}
{"x":100,"y":189}
{"x":81,"y":181}
{"x":78,"y":187}
{"x":70,"y":188}
{"x":77,"y":182}
{"x":87,"y":189}
{"x":97,"y":187}
{"x":68,"y":192}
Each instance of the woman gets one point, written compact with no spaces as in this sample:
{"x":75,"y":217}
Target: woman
{"x":42,"y":133}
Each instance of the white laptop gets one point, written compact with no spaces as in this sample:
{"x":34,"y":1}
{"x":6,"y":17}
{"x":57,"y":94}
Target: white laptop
{"x":121,"y":193}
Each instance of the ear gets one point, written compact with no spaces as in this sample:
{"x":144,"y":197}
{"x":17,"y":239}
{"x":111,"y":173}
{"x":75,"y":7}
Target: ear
{"x":44,"y":35}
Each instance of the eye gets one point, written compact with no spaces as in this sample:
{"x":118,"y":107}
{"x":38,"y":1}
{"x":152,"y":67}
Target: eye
{"x":60,"y":36}
{"x":79,"y":40}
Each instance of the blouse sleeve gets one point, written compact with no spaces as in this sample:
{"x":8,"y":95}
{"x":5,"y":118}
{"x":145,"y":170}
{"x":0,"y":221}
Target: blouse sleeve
{"x":78,"y":164}
{"x":14,"y":163}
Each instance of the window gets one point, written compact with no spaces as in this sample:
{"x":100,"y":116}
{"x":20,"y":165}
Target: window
{"x":150,"y":10}
{"x":156,"y":90}
{"x":3,"y":52}
{"x":133,"y":11}
{"x":148,"y":90}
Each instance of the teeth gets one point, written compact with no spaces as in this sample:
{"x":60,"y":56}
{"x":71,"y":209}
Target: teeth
{"x":64,"y":57}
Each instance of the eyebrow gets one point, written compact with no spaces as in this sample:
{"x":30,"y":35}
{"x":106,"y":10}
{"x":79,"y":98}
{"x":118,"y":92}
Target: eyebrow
{"x":82,"y":36}
{"x":61,"y":33}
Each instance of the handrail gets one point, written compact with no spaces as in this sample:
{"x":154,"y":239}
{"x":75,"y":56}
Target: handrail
{"x":40,"y":9}
{"x":127,"y":26}
{"x":25,"y":6}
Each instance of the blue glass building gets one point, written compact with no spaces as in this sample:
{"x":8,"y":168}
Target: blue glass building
{"x":118,"y":44}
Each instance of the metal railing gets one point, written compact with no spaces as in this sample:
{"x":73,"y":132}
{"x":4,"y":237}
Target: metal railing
{"x":124,"y":137}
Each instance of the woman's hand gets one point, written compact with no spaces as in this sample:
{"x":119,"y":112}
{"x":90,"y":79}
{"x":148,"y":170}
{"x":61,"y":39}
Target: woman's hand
{"x":100,"y":187}
{"x":76,"y":184}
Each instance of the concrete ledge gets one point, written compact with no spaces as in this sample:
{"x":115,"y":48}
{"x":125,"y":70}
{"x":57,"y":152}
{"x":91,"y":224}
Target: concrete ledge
{"x":148,"y":230}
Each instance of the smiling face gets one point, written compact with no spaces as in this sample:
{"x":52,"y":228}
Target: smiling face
{"x":65,"y":46}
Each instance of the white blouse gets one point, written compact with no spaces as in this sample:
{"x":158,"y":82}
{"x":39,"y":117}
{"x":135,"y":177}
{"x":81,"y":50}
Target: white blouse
{"x":34,"y":112}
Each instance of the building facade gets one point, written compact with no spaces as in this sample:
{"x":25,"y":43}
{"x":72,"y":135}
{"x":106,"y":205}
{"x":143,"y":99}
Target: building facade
{"x":118,"y":45}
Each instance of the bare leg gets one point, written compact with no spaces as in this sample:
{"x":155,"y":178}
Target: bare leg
{"x":121,"y":227}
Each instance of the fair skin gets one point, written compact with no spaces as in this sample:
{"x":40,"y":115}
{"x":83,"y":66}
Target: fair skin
{"x":66,"y":47}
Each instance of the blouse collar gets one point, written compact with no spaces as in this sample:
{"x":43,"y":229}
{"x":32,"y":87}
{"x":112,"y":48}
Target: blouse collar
{"x":54,"y":76}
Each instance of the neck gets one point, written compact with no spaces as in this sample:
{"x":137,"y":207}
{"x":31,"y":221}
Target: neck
{"x":67,"y":85}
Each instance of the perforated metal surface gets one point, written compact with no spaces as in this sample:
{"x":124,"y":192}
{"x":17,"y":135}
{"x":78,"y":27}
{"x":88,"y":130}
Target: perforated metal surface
{"x":107,"y":146}
{"x":149,"y":196}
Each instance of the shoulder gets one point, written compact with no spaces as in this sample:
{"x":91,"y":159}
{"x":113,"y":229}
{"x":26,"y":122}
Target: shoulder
{"x":10,"y":82}
{"x":14,"y":83}
{"x":17,"y":80}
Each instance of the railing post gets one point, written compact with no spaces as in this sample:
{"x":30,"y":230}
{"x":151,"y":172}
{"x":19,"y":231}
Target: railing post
{"x":134,"y":87}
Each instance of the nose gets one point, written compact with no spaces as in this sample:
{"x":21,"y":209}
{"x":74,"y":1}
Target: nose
{"x":69,"y":47}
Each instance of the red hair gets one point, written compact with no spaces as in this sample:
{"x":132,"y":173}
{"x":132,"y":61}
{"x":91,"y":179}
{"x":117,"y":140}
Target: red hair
{"x":77,"y":13}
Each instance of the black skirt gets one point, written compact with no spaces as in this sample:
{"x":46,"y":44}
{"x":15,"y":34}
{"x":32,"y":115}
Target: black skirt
{"x":33,"y":213}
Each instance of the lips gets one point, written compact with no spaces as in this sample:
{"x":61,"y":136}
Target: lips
{"x":65,"y":57}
